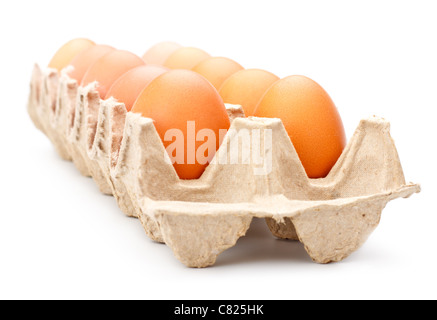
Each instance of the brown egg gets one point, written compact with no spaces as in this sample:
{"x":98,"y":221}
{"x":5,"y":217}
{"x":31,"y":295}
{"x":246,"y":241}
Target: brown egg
{"x":109,"y":68}
{"x":217,"y":69}
{"x":311,"y":120}
{"x":246,"y":88}
{"x":186,"y":58}
{"x":84,"y":60}
{"x":160,"y":52}
{"x":183,"y":103}
{"x":127,"y":88}
{"x":68,"y":51}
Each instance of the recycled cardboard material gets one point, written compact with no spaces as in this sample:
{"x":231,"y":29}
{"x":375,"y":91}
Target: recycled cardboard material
{"x":199,"y":219}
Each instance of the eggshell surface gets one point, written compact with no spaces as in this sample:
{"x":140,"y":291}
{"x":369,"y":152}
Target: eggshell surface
{"x":160,"y":52}
{"x":186,"y":58}
{"x":127,"y":88}
{"x":109,"y":68}
{"x":311,"y":120}
{"x":68,"y":51}
{"x":246,"y":88}
{"x":217,"y":69}
{"x":84,"y":60}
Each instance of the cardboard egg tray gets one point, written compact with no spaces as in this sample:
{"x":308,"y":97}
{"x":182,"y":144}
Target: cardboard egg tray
{"x":199,"y":219}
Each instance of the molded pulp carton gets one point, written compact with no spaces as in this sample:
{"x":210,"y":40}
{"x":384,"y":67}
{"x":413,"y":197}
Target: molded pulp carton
{"x":199,"y":219}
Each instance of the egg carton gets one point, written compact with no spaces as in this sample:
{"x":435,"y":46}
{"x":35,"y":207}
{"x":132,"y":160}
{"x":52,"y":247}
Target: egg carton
{"x":199,"y":219}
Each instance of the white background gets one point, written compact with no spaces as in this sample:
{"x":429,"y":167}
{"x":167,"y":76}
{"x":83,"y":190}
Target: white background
{"x":61,"y":239}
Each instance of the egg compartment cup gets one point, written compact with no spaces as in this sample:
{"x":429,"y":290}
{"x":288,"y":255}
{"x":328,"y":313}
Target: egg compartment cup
{"x":199,"y":219}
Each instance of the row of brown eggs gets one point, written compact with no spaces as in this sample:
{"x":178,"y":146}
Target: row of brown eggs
{"x":175,"y":85}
